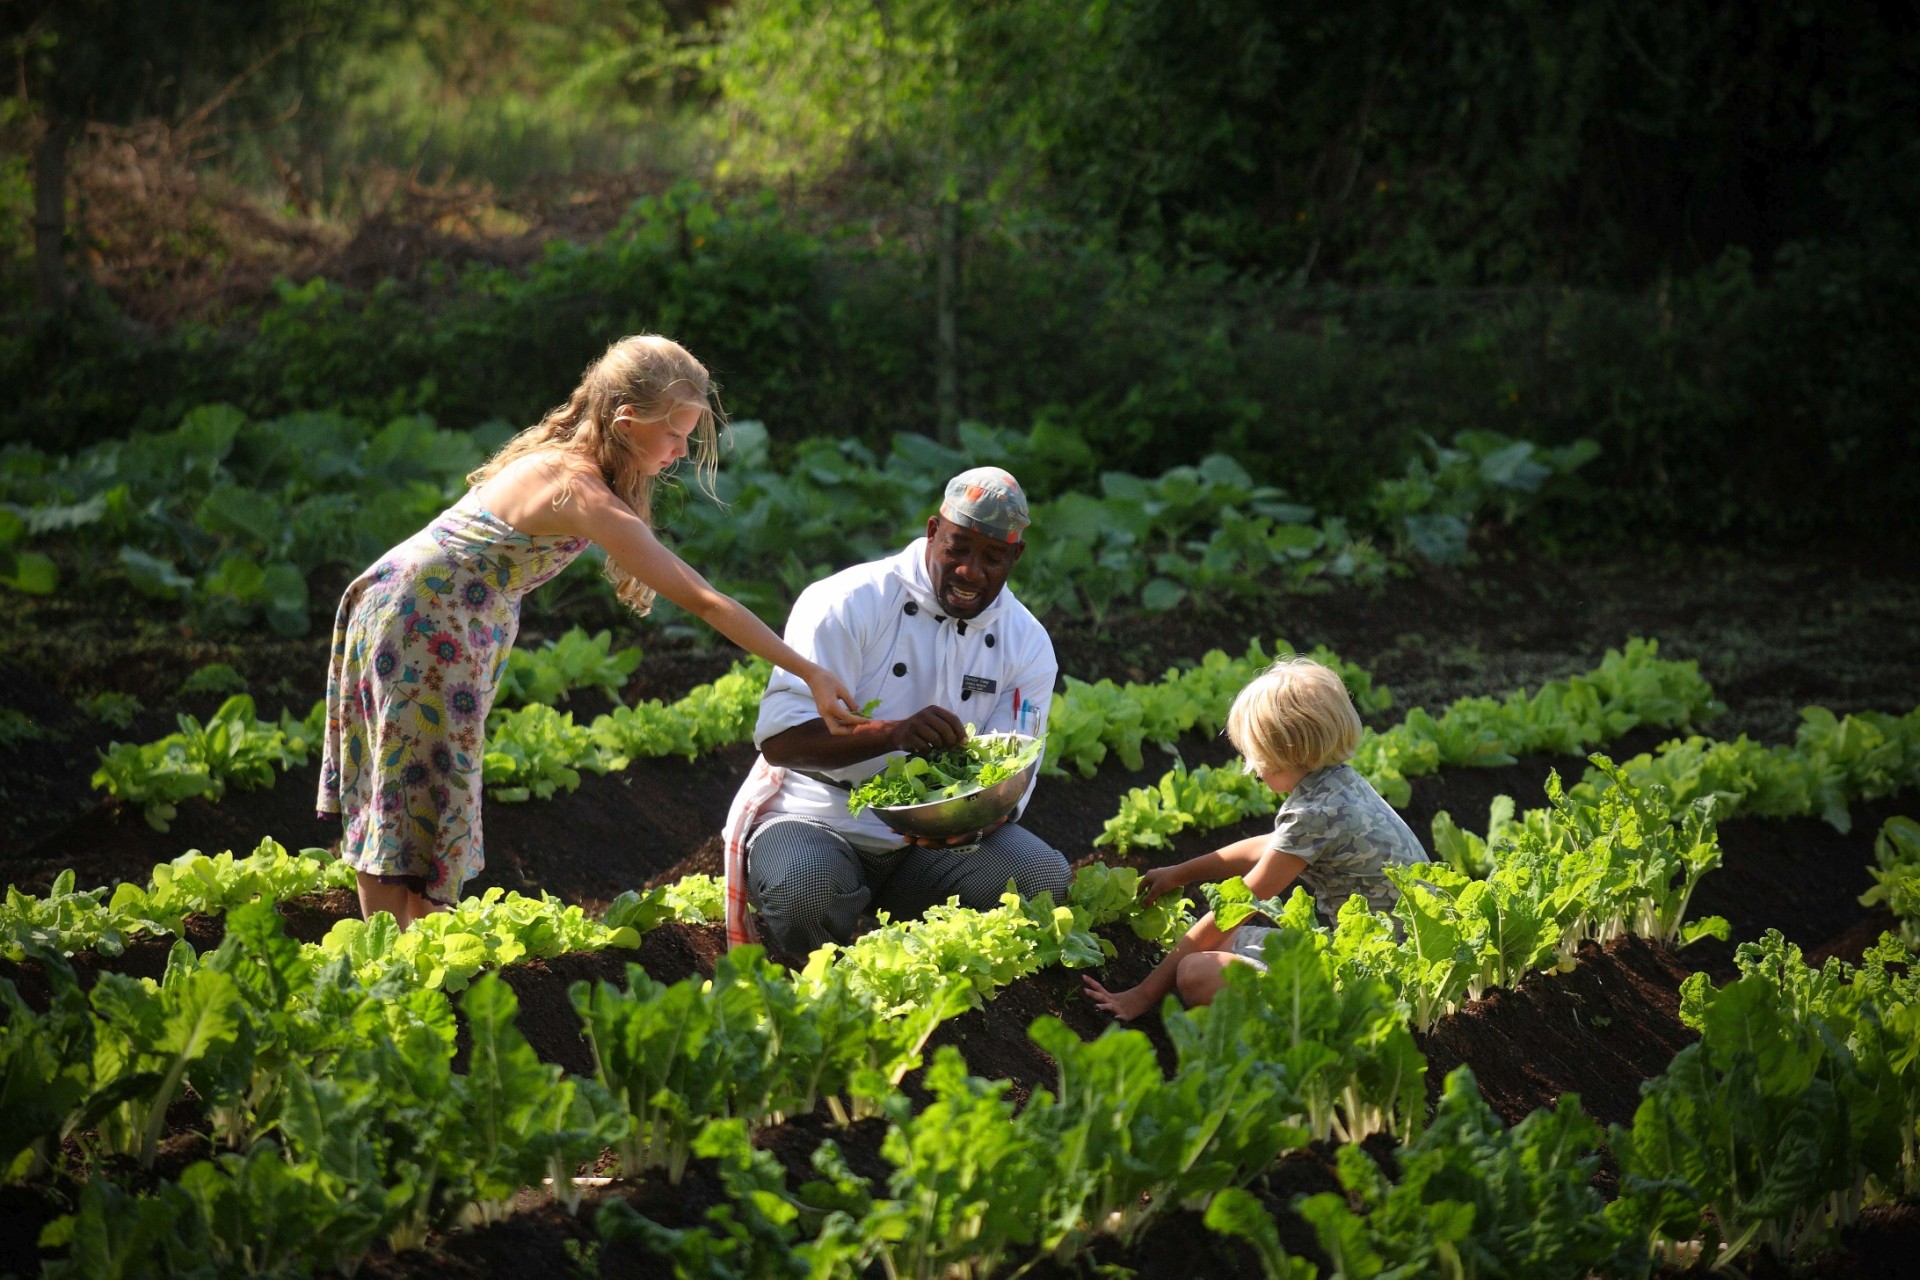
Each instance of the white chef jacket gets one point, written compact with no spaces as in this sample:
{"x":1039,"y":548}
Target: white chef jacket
{"x":879,"y":628}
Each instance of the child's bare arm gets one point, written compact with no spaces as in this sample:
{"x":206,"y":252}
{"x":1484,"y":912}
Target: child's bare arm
{"x":1274,"y":873}
{"x":1130,"y":1004}
{"x":1236,"y":859}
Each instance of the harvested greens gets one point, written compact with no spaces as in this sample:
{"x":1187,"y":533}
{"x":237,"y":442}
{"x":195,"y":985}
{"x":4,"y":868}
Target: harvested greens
{"x":974,"y":765}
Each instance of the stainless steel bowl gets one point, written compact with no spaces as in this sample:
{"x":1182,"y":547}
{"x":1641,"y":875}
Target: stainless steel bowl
{"x":964,"y":814}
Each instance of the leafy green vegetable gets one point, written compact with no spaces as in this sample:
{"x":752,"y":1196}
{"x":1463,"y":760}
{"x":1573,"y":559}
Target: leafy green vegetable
{"x":974,"y":765}
{"x":1236,"y":1212}
{"x":1630,"y":687}
{"x":1801,"y":1089}
{"x":213,"y":677}
{"x":1477,"y":1198}
{"x":1897,"y":877}
{"x":232,"y":747}
{"x":574,"y":661}
{"x":111,"y":707}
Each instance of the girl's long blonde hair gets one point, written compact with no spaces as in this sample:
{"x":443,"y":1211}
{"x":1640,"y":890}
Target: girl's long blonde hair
{"x":649,"y":377}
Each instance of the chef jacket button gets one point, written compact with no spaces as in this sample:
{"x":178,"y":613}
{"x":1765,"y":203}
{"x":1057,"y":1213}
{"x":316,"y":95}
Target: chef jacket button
{"x":899,"y":668}
{"x":965,"y":694}
{"x":912,"y":608}
{"x":989,"y":639}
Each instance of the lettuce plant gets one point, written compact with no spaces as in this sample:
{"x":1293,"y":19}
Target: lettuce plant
{"x":1897,"y":877}
{"x":232,"y":747}
{"x":575,"y":660}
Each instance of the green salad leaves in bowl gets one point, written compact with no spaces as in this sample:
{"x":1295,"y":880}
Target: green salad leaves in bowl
{"x":953,"y":792}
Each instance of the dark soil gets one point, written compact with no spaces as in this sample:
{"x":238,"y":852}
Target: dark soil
{"x":1773,"y":636}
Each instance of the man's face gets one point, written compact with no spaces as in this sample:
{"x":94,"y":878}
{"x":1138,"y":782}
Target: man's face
{"x":967,"y":567}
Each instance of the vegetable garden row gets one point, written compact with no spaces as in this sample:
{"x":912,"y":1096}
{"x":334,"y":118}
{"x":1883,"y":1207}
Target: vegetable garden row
{"x":348,"y":1104}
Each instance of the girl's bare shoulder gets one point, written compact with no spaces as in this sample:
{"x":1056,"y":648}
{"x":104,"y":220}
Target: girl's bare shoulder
{"x":545,"y":492}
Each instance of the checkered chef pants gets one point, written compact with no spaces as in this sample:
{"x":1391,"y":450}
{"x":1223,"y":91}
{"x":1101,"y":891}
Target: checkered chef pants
{"x":811,"y":886}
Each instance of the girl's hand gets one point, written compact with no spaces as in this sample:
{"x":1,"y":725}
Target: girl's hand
{"x":1124,"y":1005}
{"x":1157,"y":882}
{"x":837,"y":705}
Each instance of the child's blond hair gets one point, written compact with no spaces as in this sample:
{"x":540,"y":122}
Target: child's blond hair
{"x":649,"y":376}
{"x":1294,"y":715}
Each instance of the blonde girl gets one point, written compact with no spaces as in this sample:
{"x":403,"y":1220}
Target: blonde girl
{"x":420,"y":638}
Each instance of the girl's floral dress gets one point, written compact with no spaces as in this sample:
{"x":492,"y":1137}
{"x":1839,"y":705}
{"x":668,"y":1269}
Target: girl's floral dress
{"x":418,"y":647}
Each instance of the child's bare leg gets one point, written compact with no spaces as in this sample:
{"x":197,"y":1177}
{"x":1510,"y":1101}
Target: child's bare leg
{"x":420,"y":906}
{"x":380,"y":895}
{"x":1202,"y":974}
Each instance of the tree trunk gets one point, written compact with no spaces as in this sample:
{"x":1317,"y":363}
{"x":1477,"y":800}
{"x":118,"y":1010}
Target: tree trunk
{"x":50,"y":215}
{"x":946,"y":306}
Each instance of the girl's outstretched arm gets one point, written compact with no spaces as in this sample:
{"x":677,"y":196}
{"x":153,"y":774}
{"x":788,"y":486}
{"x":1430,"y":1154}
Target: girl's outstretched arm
{"x":593,"y":511}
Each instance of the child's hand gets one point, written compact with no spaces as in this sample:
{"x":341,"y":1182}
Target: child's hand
{"x":1124,"y":1005}
{"x":1157,"y":882}
{"x":837,"y":705}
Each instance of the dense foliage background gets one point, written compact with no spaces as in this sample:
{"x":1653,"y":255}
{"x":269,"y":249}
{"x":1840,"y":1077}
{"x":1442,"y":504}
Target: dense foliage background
{"x":1299,"y":235}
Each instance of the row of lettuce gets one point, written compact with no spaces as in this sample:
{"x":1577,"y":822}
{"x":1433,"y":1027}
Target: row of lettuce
{"x":534,"y":749}
{"x":330,"y":1081}
{"x":1473,"y":919}
{"x":537,"y":750}
{"x":230,"y":517}
{"x":1866,"y":755}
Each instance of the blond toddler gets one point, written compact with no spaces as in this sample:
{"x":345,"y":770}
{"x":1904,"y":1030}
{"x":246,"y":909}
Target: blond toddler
{"x":1295,"y":727}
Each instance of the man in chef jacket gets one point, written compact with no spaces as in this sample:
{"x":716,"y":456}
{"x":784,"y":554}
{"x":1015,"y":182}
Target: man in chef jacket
{"x":933,"y":634}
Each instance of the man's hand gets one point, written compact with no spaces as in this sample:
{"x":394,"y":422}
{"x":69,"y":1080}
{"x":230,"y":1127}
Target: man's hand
{"x":928,"y":729}
{"x":818,"y":745}
{"x":1124,"y":1005}
{"x":1157,"y":882}
{"x":948,"y":842}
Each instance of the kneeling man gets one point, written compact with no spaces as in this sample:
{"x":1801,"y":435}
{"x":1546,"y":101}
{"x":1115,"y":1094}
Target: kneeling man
{"x":933,"y":635}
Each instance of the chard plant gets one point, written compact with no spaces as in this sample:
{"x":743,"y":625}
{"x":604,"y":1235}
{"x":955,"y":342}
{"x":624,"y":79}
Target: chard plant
{"x":252,"y":1214}
{"x":1239,"y":1213}
{"x":46,"y":1074}
{"x":1474,"y":1198}
{"x":1466,"y":852}
{"x":763,"y":1229}
{"x":146,"y":1037}
{"x":968,"y":1181}
{"x":1338,"y":1033}
{"x":742,"y":1046}
{"x":524,"y":1118}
